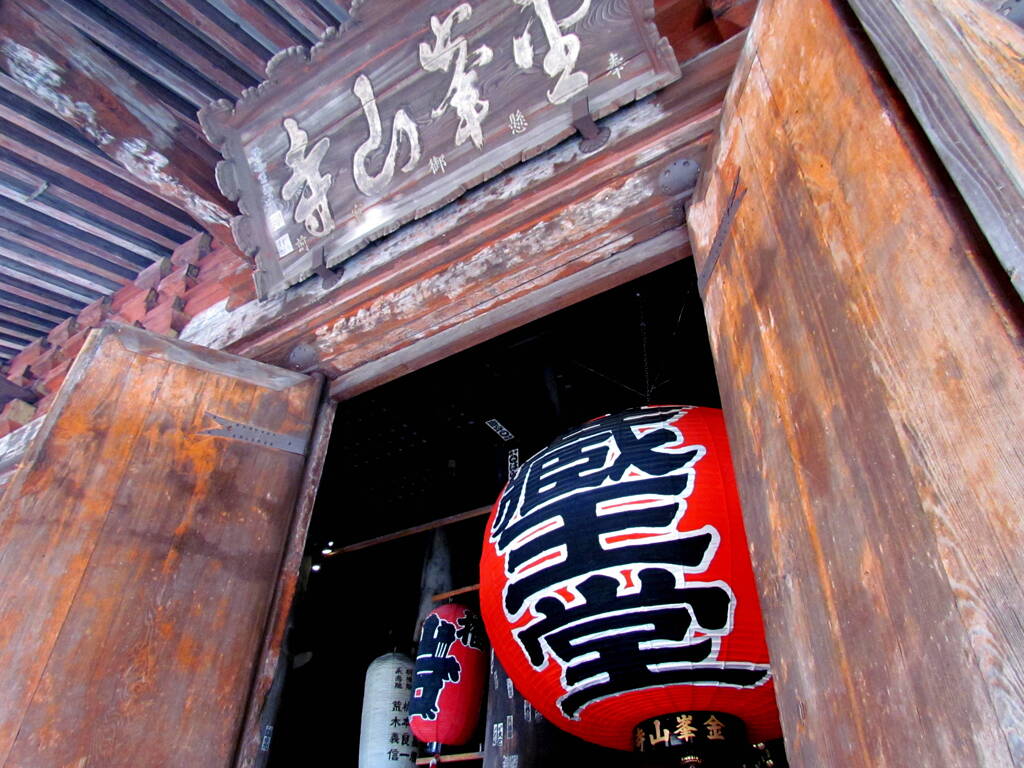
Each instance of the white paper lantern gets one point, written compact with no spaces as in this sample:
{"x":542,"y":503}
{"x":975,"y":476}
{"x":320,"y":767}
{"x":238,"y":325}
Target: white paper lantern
{"x":385,"y":740}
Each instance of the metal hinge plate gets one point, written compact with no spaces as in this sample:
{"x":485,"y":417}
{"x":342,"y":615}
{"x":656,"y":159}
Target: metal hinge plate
{"x":247,"y":433}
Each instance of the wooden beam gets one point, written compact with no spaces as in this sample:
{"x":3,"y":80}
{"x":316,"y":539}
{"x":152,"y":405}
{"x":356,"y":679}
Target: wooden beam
{"x":12,"y":347}
{"x":17,"y":342}
{"x":260,"y":712}
{"x":65,"y":236}
{"x":78,"y":221}
{"x":222,"y":32}
{"x":39,"y":314}
{"x":24,"y":321}
{"x":266,"y":23}
{"x":617,"y":262}
{"x":61,"y":142}
{"x":38,"y":142}
{"x":440,"y":598}
{"x":47,"y":55}
{"x":211,"y":51}
{"x":15,"y":264}
{"x":90,"y":204}
{"x":37,"y":297}
{"x":478,"y":512}
{"x":47,"y":196}
{"x":958,"y":65}
{"x":107,"y":276}
{"x":82,"y":262}
{"x":309,"y":17}
{"x":18,"y":331}
{"x":134,"y":48}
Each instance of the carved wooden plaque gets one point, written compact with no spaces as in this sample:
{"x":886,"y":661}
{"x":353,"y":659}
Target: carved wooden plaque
{"x":407,"y":107}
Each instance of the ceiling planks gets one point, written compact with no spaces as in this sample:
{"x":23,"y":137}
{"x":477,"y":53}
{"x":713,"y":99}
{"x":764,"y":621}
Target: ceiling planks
{"x":103,"y":168}
{"x":120,"y":114}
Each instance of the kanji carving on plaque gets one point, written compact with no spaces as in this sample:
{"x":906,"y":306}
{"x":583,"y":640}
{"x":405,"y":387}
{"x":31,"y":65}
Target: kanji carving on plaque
{"x":408,"y":106}
{"x":463,"y":95}
{"x":402,"y":125}
{"x":306,"y":181}
{"x":563,"y":49}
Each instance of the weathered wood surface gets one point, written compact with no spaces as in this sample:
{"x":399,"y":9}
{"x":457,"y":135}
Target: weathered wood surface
{"x":406,"y":107}
{"x":869,"y":357}
{"x":43,"y":49}
{"x":12,"y":448}
{"x":138,"y":557}
{"x":267,"y":686}
{"x":517,"y":247}
{"x":73,"y":156}
{"x":959,"y":65}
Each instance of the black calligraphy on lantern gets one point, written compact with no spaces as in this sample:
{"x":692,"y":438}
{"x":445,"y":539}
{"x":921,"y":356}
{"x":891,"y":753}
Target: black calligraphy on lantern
{"x":434,"y":666}
{"x":590,"y":531}
{"x":471,"y":631}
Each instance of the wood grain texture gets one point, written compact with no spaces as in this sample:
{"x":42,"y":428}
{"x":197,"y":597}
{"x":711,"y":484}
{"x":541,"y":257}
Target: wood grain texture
{"x":41,"y":116}
{"x":264,"y":696}
{"x":49,"y":55}
{"x":382,"y":49}
{"x":870,"y":369}
{"x":958,"y":64}
{"x":138,"y":560}
{"x":12,"y":448}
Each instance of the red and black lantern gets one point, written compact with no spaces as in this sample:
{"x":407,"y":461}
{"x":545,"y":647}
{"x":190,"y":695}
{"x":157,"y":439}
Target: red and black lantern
{"x":616,"y":585}
{"x":448,"y":681}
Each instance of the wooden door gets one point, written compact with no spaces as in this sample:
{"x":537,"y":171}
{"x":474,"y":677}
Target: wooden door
{"x":140,"y":544}
{"x":868,"y":348}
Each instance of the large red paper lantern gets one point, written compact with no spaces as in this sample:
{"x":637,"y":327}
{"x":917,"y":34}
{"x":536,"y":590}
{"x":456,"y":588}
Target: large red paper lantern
{"x":615,"y":582}
{"x":448,"y":683}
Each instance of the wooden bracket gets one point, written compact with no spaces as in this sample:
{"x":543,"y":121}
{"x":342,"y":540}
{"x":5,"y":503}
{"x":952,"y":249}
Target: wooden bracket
{"x":593,"y":137}
{"x":330,"y":277}
{"x":736,"y":196}
{"x":247,"y":433}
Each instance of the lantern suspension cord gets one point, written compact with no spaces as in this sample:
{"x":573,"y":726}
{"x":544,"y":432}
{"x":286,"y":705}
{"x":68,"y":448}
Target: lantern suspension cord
{"x":662,"y":379}
{"x":606,"y":377}
{"x":643,"y":350}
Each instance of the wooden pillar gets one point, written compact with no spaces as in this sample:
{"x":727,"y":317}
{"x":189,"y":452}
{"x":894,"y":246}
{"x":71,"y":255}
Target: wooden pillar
{"x":868,"y":347}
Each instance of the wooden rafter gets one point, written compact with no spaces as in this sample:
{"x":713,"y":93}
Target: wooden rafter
{"x":264,"y":23}
{"x":313,"y":19}
{"x":19,"y":319}
{"x":217,"y":30}
{"x":132,"y":46}
{"x":67,"y":237}
{"x":33,"y":152}
{"x":67,"y":69}
{"x":74,"y":269}
{"x":16,"y":234}
{"x":44,"y":276}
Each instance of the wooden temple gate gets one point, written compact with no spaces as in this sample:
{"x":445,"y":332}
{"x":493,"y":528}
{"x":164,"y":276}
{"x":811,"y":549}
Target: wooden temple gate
{"x":862,"y":299}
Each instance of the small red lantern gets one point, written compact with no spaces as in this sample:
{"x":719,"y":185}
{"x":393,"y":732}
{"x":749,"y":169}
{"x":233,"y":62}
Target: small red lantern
{"x":448,"y":682}
{"x":615,"y":581}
